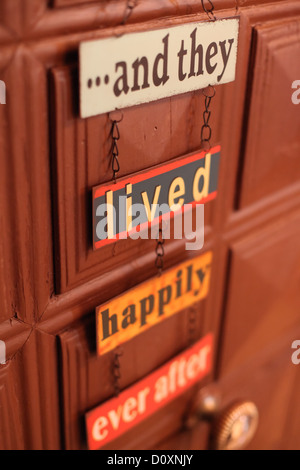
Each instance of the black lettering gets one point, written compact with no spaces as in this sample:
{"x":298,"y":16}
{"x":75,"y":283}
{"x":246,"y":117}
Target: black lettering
{"x":225,"y":56}
{"x":136,"y":65}
{"x":195,"y":51}
{"x":211,"y":52}
{"x":130,"y":317}
{"x":163,"y":299}
{"x":178,"y":284}
{"x":201,"y":275}
{"x":121,"y":85}
{"x":189,"y":278}
{"x":108,"y":321}
{"x":161,"y":57}
{"x":181,"y":55}
{"x":147,"y":305}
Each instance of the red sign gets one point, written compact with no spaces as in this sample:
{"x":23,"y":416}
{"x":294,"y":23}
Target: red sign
{"x":118,"y":415}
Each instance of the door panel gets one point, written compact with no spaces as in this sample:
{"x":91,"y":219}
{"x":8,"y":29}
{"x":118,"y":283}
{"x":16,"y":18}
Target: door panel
{"x":263,"y":298}
{"x":273,"y":132}
{"x":51,"y":280}
{"x":149,"y":134}
{"x":11,"y":430}
{"x":88,"y":380}
{"x":268,"y":380}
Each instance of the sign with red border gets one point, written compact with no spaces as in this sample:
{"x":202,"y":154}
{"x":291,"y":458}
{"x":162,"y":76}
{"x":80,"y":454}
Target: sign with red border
{"x":167,"y":188}
{"x":136,"y":403}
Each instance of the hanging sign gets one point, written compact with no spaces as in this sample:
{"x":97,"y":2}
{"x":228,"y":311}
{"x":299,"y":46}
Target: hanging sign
{"x":118,"y":415}
{"x":136,"y":68}
{"x":151,"y":302}
{"x":139,"y":201}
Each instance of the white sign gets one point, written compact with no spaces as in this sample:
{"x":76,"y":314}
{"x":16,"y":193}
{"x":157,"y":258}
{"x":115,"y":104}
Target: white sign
{"x":141,"y":67}
{"x":2,"y":352}
{"x":2,"y":92}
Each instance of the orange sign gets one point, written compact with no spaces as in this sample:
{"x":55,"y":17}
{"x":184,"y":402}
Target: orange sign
{"x":149,"y":303}
{"x":118,"y":415}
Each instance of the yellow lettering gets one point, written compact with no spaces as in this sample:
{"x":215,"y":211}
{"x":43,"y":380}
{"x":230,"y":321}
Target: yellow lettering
{"x":175,"y":194}
{"x":128,"y":207}
{"x":110,"y":216}
{"x":151,"y":212}
{"x":203,"y":172}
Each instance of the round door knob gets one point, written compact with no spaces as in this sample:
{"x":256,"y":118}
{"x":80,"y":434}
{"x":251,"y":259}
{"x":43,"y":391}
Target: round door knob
{"x":235,"y":427}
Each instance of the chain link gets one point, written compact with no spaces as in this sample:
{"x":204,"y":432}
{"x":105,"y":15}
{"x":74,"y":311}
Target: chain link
{"x":209,"y":10}
{"x":206,"y":130}
{"x":192,"y":322}
{"x":117,"y":370}
{"x":115,"y":164}
{"x":131,"y":4}
{"x":115,"y":133}
{"x":160,"y":251}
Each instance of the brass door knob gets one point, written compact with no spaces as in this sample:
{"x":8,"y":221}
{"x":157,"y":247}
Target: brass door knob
{"x":235,"y":427}
{"x":232,"y":428}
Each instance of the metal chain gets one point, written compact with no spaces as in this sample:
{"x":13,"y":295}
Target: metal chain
{"x":192,"y":321}
{"x":131,"y":4}
{"x":117,"y":370}
{"x":209,"y":10}
{"x":115,"y":133}
{"x":206,"y":130}
{"x":159,"y":250}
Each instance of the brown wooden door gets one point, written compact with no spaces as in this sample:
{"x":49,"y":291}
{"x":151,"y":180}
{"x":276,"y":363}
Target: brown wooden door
{"x":51,"y":280}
